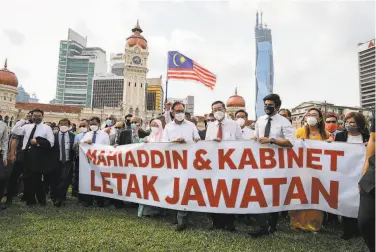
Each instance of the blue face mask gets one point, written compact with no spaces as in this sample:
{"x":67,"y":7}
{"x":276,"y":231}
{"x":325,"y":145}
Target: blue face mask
{"x":109,"y":123}
{"x":133,"y":126}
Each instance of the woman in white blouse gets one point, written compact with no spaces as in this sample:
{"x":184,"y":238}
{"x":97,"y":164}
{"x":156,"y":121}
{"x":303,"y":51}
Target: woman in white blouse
{"x":355,"y":134}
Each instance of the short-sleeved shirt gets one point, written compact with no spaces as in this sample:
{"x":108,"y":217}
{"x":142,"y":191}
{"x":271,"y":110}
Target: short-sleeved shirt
{"x":301,"y":133}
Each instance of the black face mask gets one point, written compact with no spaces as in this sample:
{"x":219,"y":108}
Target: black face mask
{"x":269,"y":109}
{"x":128,"y":123}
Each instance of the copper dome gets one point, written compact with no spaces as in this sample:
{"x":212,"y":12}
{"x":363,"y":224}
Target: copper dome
{"x":7,"y":77}
{"x":136,"y":38}
{"x":236,"y":100}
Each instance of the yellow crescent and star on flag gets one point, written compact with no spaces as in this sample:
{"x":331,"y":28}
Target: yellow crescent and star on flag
{"x":180,"y":67}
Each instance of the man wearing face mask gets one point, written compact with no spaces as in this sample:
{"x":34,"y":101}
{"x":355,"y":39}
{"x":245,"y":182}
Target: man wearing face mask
{"x":128,"y":121}
{"x":95,"y":136}
{"x":110,"y":122}
{"x":37,"y":156}
{"x":241,"y":118}
{"x":222,"y":129}
{"x":83,"y":129}
{"x":180,"y":131}
{"x":119,"y":127}
{"x":331,"y":125}
{"x":137,"y":131}
{"x":275,"y":129}
{"x":15,"y":155}
{"x":63,"y":145}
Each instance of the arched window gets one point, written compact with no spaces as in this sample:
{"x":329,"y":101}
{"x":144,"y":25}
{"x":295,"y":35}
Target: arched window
{"x":129,"y":84}
{"x":141,"y":84}
{"x":135,"y":84}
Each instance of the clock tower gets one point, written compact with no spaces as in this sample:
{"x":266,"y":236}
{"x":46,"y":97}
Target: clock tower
{"x":135,"y":70}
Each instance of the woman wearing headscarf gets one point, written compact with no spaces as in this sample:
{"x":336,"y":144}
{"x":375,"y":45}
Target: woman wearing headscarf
{"x":355,"y":125}
{"x":156,"y":128}
{"x":310,"y":220}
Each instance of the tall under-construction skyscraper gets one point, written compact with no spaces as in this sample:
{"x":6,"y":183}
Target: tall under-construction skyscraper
{"x":264,"y":64}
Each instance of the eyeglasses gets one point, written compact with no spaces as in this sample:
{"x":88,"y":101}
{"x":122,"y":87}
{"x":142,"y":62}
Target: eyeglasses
{"x":218,"y":109}
{"x":330,"y":122}
{"x":211,"y":120}
{"x":179,"y":111}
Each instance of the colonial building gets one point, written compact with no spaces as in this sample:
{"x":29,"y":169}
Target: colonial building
{"x":235,"y":103}
{"x":299,"y":111}
{"x":135,"y":70}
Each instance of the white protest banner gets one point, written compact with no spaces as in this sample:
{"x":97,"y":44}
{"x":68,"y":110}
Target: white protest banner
{"x":228,"y":177}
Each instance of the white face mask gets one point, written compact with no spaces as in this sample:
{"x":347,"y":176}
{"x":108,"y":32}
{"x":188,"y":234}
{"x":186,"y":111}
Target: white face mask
{"x":311,"y":121}
{"x":180,"y":117}
{"x":83,"y":130}
{"x":219,"y":115}
{"x":240,"y":122}
{"x":94,"y":127}
{"x":154,"y":130}
{"x":63,"y":128}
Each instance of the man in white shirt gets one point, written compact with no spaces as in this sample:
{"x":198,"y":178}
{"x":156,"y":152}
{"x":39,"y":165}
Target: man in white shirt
{"x":84,"y":128}
{"x":222,"y":129}
{"x":241,"y":117}
{"x":95,"y":136}
{"x":272,"y":128}
{"x":180,"y":131}
{"x":37,"y":143}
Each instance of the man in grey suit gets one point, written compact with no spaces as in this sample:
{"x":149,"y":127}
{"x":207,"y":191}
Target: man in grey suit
{"x":119,"y":127}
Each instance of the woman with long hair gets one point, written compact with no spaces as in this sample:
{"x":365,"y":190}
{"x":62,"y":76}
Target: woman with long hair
{"x":310,"y":220}
{"x":156,"y":134}
{"x":355,"y":133}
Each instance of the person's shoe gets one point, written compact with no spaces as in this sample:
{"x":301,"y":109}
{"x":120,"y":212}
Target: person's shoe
{"x":58,"y":203}
{"x":181,"y":227}
{"x":100,"y":203}
{"x":22,"y":197}
{"x":9,"y":202}
{"x":259,"y":233}
{"x":272,"y":230}
{"x":230,"y":228}
{"x":87,"y":204}
{"x":3,"y":206}
{"x":346,"y":236}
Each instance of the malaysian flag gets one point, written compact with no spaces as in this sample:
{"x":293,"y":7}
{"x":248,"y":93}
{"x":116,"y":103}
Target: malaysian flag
{"x":181,"y":67}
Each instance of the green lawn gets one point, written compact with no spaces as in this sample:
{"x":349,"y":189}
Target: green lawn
{"x":74,"y":228}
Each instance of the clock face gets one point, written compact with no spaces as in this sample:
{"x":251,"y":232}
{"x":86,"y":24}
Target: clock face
{"x":136,"y":60}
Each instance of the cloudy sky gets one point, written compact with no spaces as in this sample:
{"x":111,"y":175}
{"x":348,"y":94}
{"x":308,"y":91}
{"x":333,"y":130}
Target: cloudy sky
{"x":314,"y":43}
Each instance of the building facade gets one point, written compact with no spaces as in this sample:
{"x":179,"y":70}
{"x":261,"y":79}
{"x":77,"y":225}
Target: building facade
{"x":117,"y":63}
{"x":135,"y":71}
{"x":155,"y":95}
{"x":264,"y":64}
{"x":298,"y":112}
{"x":107,"y":91}
{"x":189,"y":103}
{"x":366,"y":63}
{"x":76,"y":69}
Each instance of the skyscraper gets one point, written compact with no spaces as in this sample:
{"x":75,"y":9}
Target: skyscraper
{"x":77,"y":66}
{"x":366,"y":61}
{"x":264,"y":64}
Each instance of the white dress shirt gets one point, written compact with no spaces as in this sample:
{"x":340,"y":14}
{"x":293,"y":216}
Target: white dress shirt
{"x":186,"y":130}
{"x":230,"y":130}
{"x":101,"y":137}
{"x":247,"y":133}
{"x":42,"y":130}
{"x":67,"y":145}
{"x":280,"y":128}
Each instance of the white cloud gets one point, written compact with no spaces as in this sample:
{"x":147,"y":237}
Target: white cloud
{"x":314,"y":43}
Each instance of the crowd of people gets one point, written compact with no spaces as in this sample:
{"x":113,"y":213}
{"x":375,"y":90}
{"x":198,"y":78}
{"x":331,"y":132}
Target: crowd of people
{"x":41,"y":160}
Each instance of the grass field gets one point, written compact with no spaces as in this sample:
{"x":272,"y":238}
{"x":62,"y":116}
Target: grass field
{"x":74,"y":228}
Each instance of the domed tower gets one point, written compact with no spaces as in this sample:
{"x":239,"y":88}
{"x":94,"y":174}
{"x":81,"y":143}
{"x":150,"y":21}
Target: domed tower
{"x":135,"y":70}
{"x":8,"y":93}
{"x":235,"y":103}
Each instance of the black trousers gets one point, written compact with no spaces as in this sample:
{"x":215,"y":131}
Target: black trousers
{"x":350,"y":226}
{"x":61,"y":180}
{"x":34,"y":187}
{"x":221,"y":221}
{"x":76,"y":177}
{"x":267,"y":220}
{"x":14,"y":180}
{"x":366,"y":218}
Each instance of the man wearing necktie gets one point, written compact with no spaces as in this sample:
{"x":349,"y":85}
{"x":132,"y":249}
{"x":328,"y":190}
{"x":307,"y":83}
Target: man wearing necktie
{"x":94,"y":136}
{"x":63,"y":172}
{"x":38,"y":156}
{"x":222,"y":129}
{"x":272,"y":129}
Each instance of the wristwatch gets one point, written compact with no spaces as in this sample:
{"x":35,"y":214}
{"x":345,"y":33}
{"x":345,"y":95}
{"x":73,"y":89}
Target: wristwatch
{"x":272,"y":141}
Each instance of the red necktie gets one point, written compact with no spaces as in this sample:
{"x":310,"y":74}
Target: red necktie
{"x":219,"y":132}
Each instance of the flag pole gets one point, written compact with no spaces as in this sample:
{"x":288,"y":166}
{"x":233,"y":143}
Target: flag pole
{"x":167,"y":79}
